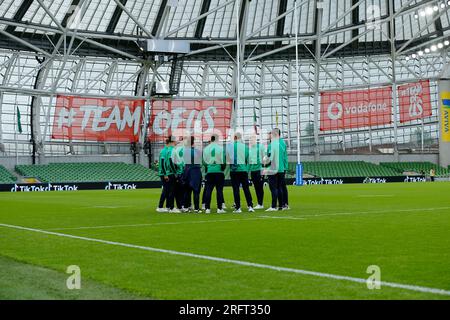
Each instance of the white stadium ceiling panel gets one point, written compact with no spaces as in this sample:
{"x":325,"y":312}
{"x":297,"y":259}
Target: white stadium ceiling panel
{"x":36,"y":13}
{"x":259,"y":13}
{"x":372,"y":12}
{"x":96,"y":15}
{"x":104,"y":21}
{"x":221,"y":23}
{"x":306,"y":13}
{"x":185,"y":11}
{"x":8,"y":8}
{"x":445,"y":19}
{"x":332,"y":12}
{"x":144,"y":11}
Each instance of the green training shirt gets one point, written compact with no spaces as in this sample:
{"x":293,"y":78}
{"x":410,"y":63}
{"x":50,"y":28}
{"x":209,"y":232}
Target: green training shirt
{"x":256,"y":154}
{"x":285,"y":155}
{"x":277,"y":156}
{"x":237,"y":153}
{"x":170,"y":167}
{"x":214,"y":158}
{"x":179,"y":159}
{"x":161,"y":167}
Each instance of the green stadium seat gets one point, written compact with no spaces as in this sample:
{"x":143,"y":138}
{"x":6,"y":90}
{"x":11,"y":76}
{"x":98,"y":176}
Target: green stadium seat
{"x":335,"y":169}
{"x":88,"y":172}
{"x":6,"y":176}
{"x":417,"y":167}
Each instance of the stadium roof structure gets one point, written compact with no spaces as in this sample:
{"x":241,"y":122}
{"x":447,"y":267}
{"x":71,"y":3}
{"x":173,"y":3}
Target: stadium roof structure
{"x":240,"y":49}
{"x":266,"y":27}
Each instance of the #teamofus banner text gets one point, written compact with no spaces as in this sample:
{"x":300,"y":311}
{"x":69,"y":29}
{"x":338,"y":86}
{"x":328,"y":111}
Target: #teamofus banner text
{"x":195,"y":117}
{"x":97,"y":119}
{"x":355,"y":109}
{"x":415,"y":101}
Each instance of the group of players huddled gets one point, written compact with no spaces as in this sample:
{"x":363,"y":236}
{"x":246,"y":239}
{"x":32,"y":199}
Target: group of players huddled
{"x":180,"y":164}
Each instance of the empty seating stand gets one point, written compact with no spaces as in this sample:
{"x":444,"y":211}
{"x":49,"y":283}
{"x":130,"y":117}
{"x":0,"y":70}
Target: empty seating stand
{"x":334,"y":169}
{"x":122,"y":172}
{"x":88,"y":172}
{"x":6,"y":176}
{"x":417,"y":167}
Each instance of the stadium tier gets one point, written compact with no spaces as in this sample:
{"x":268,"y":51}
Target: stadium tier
{"x":6,"y":176}
{"x":417,"y":167}
{"x":88,"y":172}
{"x":118,"y":171}
{"x":333,"y":169}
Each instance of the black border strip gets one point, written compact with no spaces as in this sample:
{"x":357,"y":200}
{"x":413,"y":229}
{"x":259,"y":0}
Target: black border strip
{"x":133,"y":185}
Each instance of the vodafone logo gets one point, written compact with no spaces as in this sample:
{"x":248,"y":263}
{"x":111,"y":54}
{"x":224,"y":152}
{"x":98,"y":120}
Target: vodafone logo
{"x":335,"y":111}
{"x":355,"y":109}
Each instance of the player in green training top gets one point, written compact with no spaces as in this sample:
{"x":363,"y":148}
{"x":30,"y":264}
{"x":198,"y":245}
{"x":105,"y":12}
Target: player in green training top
{"x":162,"y":174}
{"x":257,"y":151}
{"x":275,"y":171}
{"x":283,"y":175}
{"x":214,"y":162}
{"x":170,"y":171}
{"x":237,"y":157}
{"x":178,"y":159}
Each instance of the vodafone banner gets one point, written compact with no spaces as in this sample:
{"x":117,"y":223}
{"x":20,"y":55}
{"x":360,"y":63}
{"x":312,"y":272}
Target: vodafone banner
{"x":96,"y":119}
{"x":182,"y":117}
{"x":355,"y":109}
{"x":415,"y":101}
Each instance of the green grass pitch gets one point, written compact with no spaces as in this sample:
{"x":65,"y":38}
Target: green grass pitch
{"x":338,"y":230}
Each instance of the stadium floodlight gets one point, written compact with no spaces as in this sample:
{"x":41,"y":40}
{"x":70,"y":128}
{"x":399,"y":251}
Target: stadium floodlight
{"x":416,"y":16}
{"x":440,"y":45}
{"x":446,"y":42}
{"x":420,"y":53}
{"x":413,"y":56}
{"x":433,"y":48}
{"x":435,"y":8}
{"x":407,"y":58}
{"x":442,"y":5}
{"x":422,"y":13}
{"x":427,"y":50}
{"x":429,"y":10}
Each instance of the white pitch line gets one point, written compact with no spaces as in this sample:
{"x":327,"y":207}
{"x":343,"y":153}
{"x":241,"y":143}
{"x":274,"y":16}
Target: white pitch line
{"x":302,"y":217}
{"x":109,"y":207}
{"x":239,"y":262}
{"x":154,"y":224}
{"x":305,"y":217}
{"x":375,"y":196}
{"x":283,"y":217}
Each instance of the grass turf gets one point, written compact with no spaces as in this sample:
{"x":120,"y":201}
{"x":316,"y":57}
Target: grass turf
{"x":20,"y":281}
{"x":402,"y":228}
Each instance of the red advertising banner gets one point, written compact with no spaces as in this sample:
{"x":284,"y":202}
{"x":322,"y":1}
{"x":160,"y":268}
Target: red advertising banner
{"x":355,"y":109}
{"x":415,"y":101}
{"x":97,"y":119}
{"x":182,"y":117}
